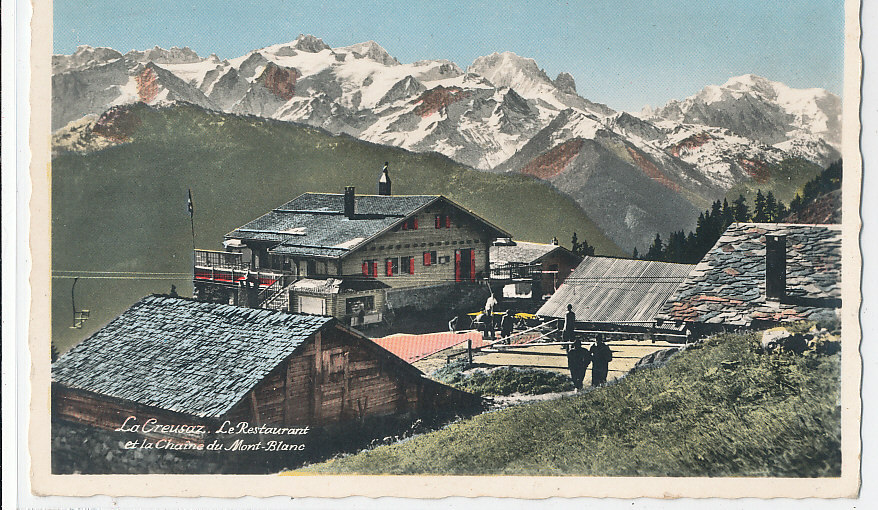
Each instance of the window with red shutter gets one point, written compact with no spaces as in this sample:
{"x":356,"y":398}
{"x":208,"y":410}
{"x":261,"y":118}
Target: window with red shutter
{"x":389,"y":270}
{"x":427,"y":260}
{"x":411,"y":265}
{"x":415,"y":224}
{"x":448,"y":222}
{"x":472,"y":265}
{"x":438,"y":221}
{"x":365,"y":268}
{"x":375,"y":268}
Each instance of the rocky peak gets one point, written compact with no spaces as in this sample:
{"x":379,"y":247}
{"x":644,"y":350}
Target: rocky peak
{"x":82,"y":57}
{"x":160,"y":55}
{"x":310,"y":44}
{"x":565,"y":83}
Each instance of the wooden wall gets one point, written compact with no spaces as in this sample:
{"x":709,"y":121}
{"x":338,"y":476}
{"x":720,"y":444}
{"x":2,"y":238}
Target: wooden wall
{"x":338,"y":377}
{"x":464,"y":233}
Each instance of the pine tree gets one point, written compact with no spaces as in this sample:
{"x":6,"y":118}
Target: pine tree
{"x":728,"y":215}
{"x":575,"y":246}
{"x":796,"y":204}
{"x":585,"y":249}
{"x":782,"y":211}
{"x":655,"y":251}
{"x":634,"y":254}
{"x":759,"y":215}
{"x":770,"y":207}
{"x":740,"y":211}
{"x":54,"y":352}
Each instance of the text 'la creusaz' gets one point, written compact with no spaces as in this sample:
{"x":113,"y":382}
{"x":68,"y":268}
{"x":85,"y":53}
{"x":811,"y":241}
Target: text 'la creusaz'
{"x":153,"y":426}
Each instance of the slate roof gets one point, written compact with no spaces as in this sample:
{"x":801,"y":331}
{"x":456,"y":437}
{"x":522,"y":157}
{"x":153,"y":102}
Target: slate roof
{"x":619,"y":291}
{"x":523,"y":252}
{"x":183,"y":355}
{"x":728,"y":285}
{"x":314,"y":224}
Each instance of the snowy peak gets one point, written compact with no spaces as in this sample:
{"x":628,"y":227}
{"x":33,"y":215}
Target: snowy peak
{"x":768,"y":111}
{"x":370,"y":50}
{"x":84,"y":56}
{"x":509,"y":70}
{"x":565,"y":83}
{"x":159,"y":55}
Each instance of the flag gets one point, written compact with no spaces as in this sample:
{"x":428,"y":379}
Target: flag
{"x":189,"y":205}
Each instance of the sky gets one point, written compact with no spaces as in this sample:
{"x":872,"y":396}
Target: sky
{"x":622,"y":53}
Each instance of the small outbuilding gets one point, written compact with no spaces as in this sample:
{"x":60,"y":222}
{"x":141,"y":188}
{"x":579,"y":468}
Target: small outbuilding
{"x":761,"y":274}
{"x":537,"y":268}
{"x":186,"y":362}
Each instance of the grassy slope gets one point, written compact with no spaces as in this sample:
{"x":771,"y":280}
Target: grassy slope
{"x":787,"y":178}
{"x":124,"y":208}
{"x":771,"y":415}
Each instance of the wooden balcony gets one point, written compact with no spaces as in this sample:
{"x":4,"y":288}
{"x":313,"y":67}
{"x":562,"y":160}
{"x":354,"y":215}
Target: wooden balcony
{"x":230,"y":268}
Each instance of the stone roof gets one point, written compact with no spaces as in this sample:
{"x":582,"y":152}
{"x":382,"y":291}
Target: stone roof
{"x":314,"y":224}
{"x":618,"y":291}
{"x":523,"y":252}
{"x":728,"y":285}
{"x":184,"y":355}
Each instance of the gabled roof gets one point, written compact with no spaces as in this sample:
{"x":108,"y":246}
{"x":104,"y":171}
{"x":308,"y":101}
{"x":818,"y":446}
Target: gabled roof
{"x":728,"y":285}
{"x":314,"y":224}
{"x":604,"y":289}
{"x":184,"y":355}
{"x":524,"y":252}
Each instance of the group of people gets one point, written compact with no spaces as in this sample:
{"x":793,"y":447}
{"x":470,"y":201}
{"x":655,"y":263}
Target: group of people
{"x":578,"y":358}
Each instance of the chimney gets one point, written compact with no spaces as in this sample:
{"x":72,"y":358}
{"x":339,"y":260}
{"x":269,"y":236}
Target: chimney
{"x":384,"y":182}
{"x":349,"y":202}
{"x":554,"y":241}
{"x":775,"y":266}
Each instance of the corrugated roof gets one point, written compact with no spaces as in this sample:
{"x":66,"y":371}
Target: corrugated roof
{"x":411,"y":348}
{"x":728,"y":285}
{"x":336,"y":285}
{"x":603,"y":289}
{"x":183,"y":355}
{"x":523,"y":252}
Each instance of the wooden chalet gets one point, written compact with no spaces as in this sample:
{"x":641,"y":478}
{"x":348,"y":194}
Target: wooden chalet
{"x":187,"y":362}
{"x":347,"y":255}
{"x":532,"y":269}
{"x":761,"y":274}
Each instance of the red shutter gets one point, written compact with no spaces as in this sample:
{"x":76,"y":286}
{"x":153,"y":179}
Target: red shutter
{"x":438,"y":221}
{"x":457,"y":265}
{"x":411,"y":265}
{"x":405,"y":225}
{"x":427,"y":258}
{"x":365,"y":269}
{"x":415,"y":227}
{"x":389,"y":267}
{"x":472,"y":265}
{"x":448,"y":222}
{"x":375,"y":268}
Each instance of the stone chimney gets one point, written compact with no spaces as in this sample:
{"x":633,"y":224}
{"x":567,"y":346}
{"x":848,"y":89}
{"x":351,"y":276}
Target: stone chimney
{"x":384,"y":182}
{"x":554,"y":241}
{"x":775,"y":266}
{"x":349,"y":204}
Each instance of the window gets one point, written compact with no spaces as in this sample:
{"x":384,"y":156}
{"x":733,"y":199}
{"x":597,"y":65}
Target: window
{"x":370,"y":268}
{"x":407,"y":265}
{"x":430,"y":258}
{"x":391,"y":266}
{"x":443,"y":220}
{"x":354,"y":306}
{"x":410,"y":224}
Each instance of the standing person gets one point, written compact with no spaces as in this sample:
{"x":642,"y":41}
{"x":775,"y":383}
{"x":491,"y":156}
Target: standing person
{"x":506,"y":323}
{"x":569,"y":325}
{"x":489,"y":315}
{"x":600,"y":357}
{"x":577,"y":361}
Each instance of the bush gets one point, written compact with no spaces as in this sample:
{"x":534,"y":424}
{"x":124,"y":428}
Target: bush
{"x":503,"y":381}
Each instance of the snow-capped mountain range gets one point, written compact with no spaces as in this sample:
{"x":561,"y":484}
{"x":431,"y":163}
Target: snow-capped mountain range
{"x":502,"y":113}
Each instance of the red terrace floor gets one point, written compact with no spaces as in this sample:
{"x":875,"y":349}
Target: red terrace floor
{"x":411,"y":348}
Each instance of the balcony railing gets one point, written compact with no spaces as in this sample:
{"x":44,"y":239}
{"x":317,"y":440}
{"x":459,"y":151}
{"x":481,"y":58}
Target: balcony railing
{"x":228,"y":260}
{"x":513,"y":270}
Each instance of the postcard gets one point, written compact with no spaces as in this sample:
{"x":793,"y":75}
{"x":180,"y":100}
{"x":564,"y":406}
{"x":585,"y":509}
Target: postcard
{"x":423,"y":250}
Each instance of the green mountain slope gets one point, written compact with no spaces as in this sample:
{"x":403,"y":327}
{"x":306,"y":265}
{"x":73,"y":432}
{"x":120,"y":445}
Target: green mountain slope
{"x":718,"y":410}
{"x":123,"y":208}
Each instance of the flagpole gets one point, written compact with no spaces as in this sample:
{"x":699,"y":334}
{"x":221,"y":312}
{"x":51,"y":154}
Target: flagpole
{"x":192,"y":224}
